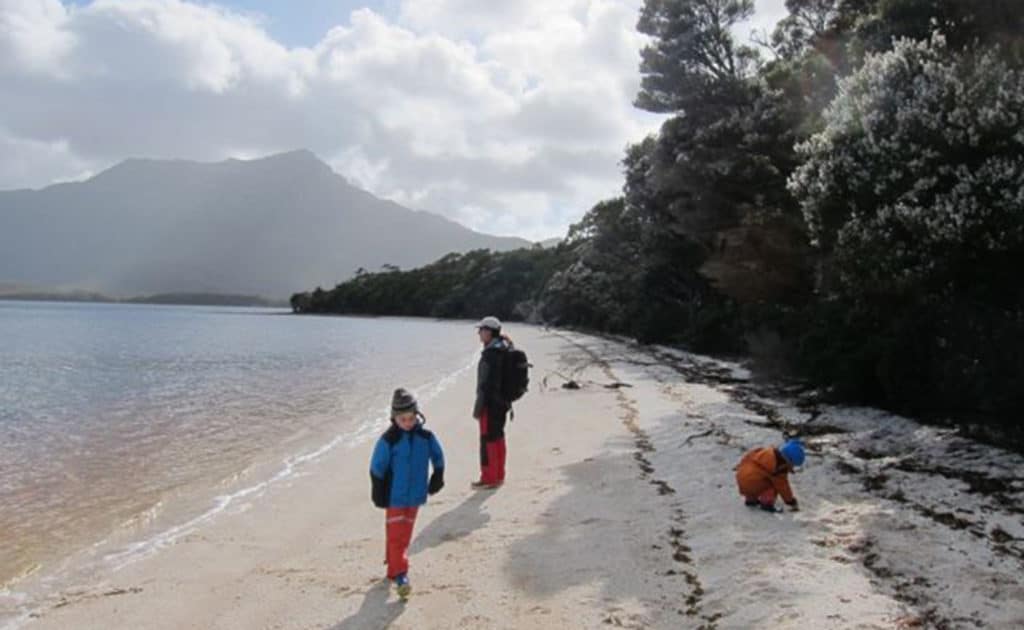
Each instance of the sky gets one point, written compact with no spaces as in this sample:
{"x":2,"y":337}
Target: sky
{"x":510,"y":117}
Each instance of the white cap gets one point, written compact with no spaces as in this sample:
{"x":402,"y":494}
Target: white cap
{"x":489,"y":322}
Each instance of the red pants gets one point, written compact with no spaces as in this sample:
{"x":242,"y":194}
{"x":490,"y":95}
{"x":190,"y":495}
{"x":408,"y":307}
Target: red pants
{"x":398,"y":526}
{"x":492,"y":451}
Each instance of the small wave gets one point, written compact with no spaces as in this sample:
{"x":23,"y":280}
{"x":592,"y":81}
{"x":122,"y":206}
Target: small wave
{"x":366,"y":431}
{"x":20,"y":603}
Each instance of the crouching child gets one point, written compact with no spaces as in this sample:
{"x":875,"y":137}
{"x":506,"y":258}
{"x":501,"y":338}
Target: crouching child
{"x":401,"y":480}
{"x":763,"y":474}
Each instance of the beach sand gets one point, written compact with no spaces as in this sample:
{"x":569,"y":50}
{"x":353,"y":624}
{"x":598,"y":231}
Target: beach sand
{"x":619,"y":511}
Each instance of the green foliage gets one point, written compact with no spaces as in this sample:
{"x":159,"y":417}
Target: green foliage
{"x":852,"y":207}
{"x":915,"y":191}
{"x":923,"y":355}
{"x":598,"y":288}
{"x":809,"y":22}
{"x":456,"y":286}
{"x":917,"y":178}
{"x":693,"y":58}
{"x":710,"y":188}
{"x":963,"y":24}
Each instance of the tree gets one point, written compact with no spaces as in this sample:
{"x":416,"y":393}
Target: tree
{"x":964,"y":24}
{"x":598,"y":288}
{"x":920,"y":164}
{"x":693,"y":57}
{"x":914,"y":193}
{"x":301,"y":302}
{"x":807,"y":25}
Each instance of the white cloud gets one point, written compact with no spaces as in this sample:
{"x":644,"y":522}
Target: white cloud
{"x":32,"y":38}
{"x":34,"y":159}
{"x":510,"y":117}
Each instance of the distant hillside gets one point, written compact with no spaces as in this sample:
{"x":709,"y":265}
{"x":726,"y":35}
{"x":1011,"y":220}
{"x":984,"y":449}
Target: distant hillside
{"x":264,"y":227}
{"x":205,"y":299}
{"x":35,"y":294}
{"x":56,"y":296}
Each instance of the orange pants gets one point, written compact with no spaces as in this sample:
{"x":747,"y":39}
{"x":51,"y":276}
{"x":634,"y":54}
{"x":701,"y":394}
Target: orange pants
{"x":399,"y":523}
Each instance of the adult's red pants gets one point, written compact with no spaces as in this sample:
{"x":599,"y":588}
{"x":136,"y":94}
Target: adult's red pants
{"x":399,"y":523}
{"x":492,"y":449}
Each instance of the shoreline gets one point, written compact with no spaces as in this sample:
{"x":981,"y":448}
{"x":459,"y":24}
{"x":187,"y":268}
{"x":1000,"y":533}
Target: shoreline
{"x":995,"y":435}
{"x":620,"y":510}
{"x":148,"y":532}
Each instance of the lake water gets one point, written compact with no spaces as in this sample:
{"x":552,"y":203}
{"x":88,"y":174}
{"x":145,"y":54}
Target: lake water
{"x":115,"y":419}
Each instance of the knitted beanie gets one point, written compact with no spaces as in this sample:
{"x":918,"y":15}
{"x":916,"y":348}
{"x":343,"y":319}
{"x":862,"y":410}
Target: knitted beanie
{"x":403,"y":400}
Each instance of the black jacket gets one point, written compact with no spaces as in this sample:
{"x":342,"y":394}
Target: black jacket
{"x":488,"y":380}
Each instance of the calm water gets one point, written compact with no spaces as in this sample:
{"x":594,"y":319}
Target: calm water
{"x":111,"y":414}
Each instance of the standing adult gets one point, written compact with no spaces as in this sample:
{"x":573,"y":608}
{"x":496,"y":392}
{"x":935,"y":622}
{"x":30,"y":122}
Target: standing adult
{"x":490,"y":408}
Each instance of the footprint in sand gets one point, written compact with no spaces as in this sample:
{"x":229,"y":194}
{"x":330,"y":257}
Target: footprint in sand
{"x":475,"y":621}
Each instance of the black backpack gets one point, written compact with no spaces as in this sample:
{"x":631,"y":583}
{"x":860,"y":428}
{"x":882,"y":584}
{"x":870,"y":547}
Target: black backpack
{"x":515,"y":375}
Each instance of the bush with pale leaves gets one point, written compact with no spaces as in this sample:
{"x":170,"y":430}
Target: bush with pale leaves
{"x":919,"y":170}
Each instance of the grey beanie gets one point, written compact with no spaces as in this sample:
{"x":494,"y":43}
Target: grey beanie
{"x":403,"y":400}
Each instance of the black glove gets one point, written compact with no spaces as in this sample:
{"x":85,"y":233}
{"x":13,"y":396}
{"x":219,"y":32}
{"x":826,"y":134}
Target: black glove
{"x":436,"y":481}
{"x":379,"y":491}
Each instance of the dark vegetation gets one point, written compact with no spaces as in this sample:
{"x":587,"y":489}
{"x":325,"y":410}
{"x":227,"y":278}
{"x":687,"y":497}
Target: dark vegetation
{"x":844,"y":201}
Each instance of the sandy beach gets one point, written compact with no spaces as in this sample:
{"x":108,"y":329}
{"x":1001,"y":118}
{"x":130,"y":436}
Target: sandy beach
{"x":619,"y":511}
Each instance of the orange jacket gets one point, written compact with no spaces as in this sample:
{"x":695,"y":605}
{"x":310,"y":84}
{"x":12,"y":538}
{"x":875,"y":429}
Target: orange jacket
{"x":761,"y":469}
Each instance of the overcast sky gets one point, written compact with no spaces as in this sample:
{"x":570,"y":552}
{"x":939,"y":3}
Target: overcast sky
{"x":510,"y":117}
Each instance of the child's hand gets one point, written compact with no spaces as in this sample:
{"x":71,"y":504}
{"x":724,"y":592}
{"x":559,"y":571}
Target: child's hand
{"x":436,"y":481}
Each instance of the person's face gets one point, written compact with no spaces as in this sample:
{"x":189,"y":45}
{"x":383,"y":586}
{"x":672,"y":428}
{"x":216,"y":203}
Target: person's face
{"x":406,"y":420}
{"x":485,"y":335}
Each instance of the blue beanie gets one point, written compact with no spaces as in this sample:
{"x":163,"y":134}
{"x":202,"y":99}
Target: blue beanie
{"x":793,"y":451}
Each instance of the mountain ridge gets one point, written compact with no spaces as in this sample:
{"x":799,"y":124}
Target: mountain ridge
{"x":267,"y":226}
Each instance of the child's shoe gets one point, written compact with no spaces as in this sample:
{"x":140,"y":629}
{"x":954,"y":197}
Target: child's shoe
{"x":404,"y":588}
{"x":751,"y":502}
{"x":770,"y":507}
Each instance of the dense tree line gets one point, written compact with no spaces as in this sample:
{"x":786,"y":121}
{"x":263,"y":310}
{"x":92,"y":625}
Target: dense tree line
{"x":845,"y":198}
{"x":456,"y":286}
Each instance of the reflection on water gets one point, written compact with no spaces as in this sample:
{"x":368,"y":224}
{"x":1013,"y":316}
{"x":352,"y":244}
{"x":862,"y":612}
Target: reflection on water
{"x":108,"y":412}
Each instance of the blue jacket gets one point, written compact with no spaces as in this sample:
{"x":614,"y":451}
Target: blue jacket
{"x":399,"y":466}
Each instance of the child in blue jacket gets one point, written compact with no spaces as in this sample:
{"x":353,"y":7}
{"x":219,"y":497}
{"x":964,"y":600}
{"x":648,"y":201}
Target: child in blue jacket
{"x":398,"y":474}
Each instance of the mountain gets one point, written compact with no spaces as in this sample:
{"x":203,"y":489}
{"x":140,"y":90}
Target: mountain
{"x":265,"y":227}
